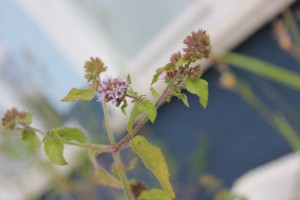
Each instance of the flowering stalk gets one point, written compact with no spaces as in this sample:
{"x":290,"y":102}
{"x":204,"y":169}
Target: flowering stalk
{"x":116,"y":155}
{"x":178,"y":74}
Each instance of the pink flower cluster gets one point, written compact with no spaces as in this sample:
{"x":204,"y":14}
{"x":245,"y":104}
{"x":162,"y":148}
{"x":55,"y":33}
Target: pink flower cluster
{"x":113,"y":89}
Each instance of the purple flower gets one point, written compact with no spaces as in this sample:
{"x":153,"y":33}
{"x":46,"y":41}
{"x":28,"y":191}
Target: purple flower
{"x":113,"y":89}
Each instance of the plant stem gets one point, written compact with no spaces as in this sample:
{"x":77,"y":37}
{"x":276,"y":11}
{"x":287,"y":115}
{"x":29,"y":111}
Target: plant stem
{"x":122,"y":176}
{"x":144,"y":118}
{"x":116,"y":154}
{"x":79,"y":144}
{"x":35,"y":130}
{"x":89,"y":145}
{"x":107,"y":124}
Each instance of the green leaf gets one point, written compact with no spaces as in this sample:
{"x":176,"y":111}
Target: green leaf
{"x":154,"y":93}
{"x":177,"y":92}
{"x":135,"y":112}
{"x":154,"y":160}
{"x":264,"y":69}
{"x":145,"y":106}
{"x":159,"y":71}
{"x":132,"y":164}
{"x":123,"y":107}
{"x":69,"y":134}
{"x":30,"y":139}
{"x":286,"y":130}
{"x":149,"y":108}
{"x":183,"y":97}
{"x":79,"y":94}
{"x":131,"y":92}
{"x":154,"y":194}
{"x":198,"y":87}
{"x":54,"y":149}
{"x":105,"y":178}
{"x":182,"y":61}
{"x":128,"y":79}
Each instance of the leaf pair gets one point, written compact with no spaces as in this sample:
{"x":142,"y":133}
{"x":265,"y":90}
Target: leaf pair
{"x":53,"y":142}
{"x":140,"y":107}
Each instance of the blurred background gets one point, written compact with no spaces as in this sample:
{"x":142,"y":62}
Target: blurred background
{"x":252,"y":116}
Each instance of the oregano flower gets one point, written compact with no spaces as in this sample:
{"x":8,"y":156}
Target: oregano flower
{"x":93,"y":68}
{"x":14,"y":117}
{"x":197,"y":45}
{"x":113,"y":89}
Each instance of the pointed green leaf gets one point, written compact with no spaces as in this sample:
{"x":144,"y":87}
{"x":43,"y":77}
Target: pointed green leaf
{"x":154,"y":194}
{"x":154,"y":160}
{"x":159,"y":71}
{"x":54,"y":149}
{"x":182,"y":61}
{"x":266,"y":70}
{"x":69,"y":134}
{"x":128,"y":79}
{"x":132,"y":164}
{"x":79,"y":94}
{"x":198,"y":87}
{"x":135,"y":112}
{"x":183,"y":97}
{"x":123,"y":107}
{"x":154,"y":93}
{"x":177,"y":92}
{"x":105,"y":178}
{"x":30,"y":139}
{"x":145,"y":106}
{"x":149,"y":108}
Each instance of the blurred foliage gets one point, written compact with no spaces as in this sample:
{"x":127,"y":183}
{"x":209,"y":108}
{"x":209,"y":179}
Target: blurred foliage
{"x":215,"y":187}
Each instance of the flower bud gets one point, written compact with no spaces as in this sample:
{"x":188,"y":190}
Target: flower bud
{"x":13,"y":117}
{"x":93,"y":68}
{"x":198,"y":45}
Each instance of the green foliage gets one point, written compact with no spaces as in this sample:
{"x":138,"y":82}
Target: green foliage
{"x":69,"y":134}
{"x":54,"y":149}
{"x":154,"y":160}
{"x":30,"y":139}
{"x":123,"y":107}
{"x":131,"y":92}
{"x":140,"y":107}
{"x":79,"y":94}
{"x":105,"y":178}
{"x":159,"y":71}
{"x":132,"y":164}
{"x":154,"y":92}
{"x":198,"y":87}
{"x":182,"y":61}
{"x":128,"y":79}
{"x":177,"y":93}
{"x":154,"y":194}
{"x":125,"y":169}
{"x":264,"y":69}
{"x":287,"y":131}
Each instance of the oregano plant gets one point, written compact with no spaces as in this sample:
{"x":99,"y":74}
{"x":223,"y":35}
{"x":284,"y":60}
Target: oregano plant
{"x":182,"y":72}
